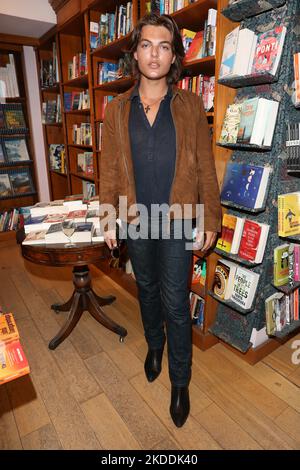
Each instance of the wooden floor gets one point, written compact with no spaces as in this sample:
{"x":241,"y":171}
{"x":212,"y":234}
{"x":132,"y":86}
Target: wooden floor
{"x":91,"y":393}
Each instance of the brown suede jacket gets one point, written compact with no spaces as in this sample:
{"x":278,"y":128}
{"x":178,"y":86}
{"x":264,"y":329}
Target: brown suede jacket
{"x":195,"y":178}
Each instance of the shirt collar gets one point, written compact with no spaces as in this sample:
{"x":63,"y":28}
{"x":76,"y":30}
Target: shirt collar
{"x":135,"y":92}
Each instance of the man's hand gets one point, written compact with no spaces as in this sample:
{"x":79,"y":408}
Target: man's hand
{"x":207,"y":242}
{"x":210,"y":238}
{"x":110,"y":239}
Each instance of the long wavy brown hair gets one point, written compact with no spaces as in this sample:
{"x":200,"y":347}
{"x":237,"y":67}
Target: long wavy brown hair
{"x":167,"y":21}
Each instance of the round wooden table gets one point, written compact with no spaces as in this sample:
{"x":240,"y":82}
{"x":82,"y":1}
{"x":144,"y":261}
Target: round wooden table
{"x":83,"y":297}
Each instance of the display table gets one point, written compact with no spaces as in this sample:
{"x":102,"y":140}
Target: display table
{"x":83,"y":297}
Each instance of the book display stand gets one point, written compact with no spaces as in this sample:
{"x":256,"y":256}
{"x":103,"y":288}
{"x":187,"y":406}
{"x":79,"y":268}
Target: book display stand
{"x":17,"y":178}
{"x":230,"y":325}
{"x":249,"y":80}
{"x":235,"y":258}
{"x":237,"y":11}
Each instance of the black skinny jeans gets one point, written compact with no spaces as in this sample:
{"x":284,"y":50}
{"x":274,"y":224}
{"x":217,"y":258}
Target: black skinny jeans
{"x":162,"y":270}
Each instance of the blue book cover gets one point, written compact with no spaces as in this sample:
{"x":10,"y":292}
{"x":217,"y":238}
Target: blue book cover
{"x":241,"y":184}
{"x":35,"y":220}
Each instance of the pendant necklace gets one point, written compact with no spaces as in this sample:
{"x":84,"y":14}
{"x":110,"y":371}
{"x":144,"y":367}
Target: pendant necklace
{"x":147,"y":106}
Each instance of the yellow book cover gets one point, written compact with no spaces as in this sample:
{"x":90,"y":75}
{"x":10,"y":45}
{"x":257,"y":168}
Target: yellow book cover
{"x":228,"y":226}
{"x":289,"y":214}
{"x":8,"y":327}
{"x":281,"y":265}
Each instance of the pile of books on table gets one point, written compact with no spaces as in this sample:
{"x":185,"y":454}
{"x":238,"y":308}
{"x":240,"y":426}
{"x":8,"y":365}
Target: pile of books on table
{"x":43,"y":222}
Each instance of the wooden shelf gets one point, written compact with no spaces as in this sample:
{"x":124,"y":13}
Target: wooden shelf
{"x":113,"y":50}
{"x":78,"y":111}
{"x":84,"y":176}
{"x":193,"y":16}
{"x":53,"y":124}
{"x":56,"y":172}
{"x":81,"y":146}
{"x":17,"y":99}
{"x":117,"y":86}
{"x":198,"y":289}
{"x":30,"y":197}
{"x":51,"y":89}
{"x":205,"y":66}
{"x":79,"y":82}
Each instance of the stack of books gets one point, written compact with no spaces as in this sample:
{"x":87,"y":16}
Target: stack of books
{"x":13,"y":362}
{"x":248,"y":54}
{"x":235,"y":283}
{"x":250,"y":122}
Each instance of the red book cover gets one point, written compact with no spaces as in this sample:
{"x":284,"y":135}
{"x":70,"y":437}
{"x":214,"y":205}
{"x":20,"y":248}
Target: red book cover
{"x":194,"y":51}
{"x":266,"y":50}
{"x":250,"y":240}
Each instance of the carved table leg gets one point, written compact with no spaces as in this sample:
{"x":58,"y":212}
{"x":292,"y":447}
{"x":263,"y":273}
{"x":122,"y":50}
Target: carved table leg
{"x":95,"y":309}
{"x":83,"y":298}
{"x":73,"y":318}
{"x":63,"y":307}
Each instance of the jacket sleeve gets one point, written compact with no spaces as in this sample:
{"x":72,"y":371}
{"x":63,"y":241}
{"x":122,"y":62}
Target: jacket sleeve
{"x":108,"y":168}
{"x":208,"y":188}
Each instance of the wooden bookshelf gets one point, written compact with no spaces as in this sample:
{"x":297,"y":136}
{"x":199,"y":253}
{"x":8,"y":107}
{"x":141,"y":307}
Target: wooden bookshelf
{"x":15,"y":194}
{"x":53,"y":132}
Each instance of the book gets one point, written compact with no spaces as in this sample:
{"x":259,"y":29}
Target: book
{"x":35,"y":238}
{"x":32,"y":224}
{"x":245,"y":184}
{"x":8,"y":327}
{"x":21,"y":182}
{"x":296,"y":59}
{"x":15,"y":149}
{"x":199,"y":270}
{"x":232,"y":228}
{"x":55,"y":234}
{"x":195,"y":50}
{"x":248,"y":114}
{"x":270,"y":311}
{"x":97,"y":235}
{"x":13,"y":362}
{"x":13,"y":116}
{"x":229,"y":53}
{"x":231,"y":124}
{"x":289,"y":214}
{"x":268,"y":51}
{"x":2,"y":156}
{"x":223,"y":278}
{"x":253,"y":241}
{"x":5,"y":186}
{"x":244,"y":287}
{"x":83,"y":232}
{"x":281,"y":265}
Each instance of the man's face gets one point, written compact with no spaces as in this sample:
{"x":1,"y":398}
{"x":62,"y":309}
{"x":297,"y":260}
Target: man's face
{"x":154,"y":52}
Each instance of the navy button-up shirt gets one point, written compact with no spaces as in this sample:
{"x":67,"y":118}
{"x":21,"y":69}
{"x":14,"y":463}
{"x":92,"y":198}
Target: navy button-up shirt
{"x":153,"y":150}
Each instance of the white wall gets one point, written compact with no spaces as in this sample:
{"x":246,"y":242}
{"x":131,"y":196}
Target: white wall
{"x":35,"y":116}
{"x":39,"y":10}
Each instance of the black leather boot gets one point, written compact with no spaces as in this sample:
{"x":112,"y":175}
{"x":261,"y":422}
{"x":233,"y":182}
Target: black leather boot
{"x":180,"y":405}
{"x":153,"y":363}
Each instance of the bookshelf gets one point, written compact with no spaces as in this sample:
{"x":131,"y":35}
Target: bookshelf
{"x":49,"y":71}
{"x":17,"y":168}
{"x":231,"y":326}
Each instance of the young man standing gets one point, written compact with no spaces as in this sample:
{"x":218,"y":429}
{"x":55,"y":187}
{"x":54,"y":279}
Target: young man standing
{"x":156,"y":152}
